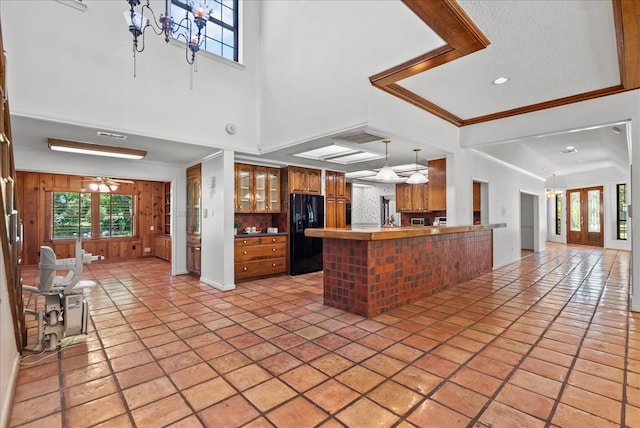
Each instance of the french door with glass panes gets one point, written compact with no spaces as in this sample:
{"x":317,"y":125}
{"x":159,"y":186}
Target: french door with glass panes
{"x":584,"y":216}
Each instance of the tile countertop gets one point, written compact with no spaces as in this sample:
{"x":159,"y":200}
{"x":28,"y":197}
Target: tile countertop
{"x":380,"y":234}
{"x":251,"y":235}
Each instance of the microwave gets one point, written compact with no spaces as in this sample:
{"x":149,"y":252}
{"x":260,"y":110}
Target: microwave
{"x":417,"y":222}
{"x":440,"y":221}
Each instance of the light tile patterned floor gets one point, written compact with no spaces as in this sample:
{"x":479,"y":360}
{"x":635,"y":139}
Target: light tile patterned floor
{"x":546,"y":341}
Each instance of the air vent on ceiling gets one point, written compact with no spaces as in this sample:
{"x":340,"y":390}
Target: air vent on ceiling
{"x":360,"y":138}
{"x":111,"y":135}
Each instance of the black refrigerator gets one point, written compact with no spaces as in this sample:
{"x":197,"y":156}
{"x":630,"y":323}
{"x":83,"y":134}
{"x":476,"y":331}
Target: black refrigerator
{"x":307,"y":211}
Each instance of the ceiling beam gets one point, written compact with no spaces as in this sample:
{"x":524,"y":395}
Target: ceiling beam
{"x":627,"y":21}
{"x":462,"y":37}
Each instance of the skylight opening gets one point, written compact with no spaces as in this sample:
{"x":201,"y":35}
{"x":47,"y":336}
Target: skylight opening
{"x":339,"y":154}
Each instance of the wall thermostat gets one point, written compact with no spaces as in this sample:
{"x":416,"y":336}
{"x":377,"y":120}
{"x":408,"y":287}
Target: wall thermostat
{"x":230,"y":128}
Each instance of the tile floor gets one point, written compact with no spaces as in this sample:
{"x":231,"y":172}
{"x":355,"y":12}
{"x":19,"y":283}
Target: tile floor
{"x":546,"y":341}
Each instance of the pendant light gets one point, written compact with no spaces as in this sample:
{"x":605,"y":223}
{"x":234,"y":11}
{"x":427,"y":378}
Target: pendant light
{"x":386,"y":173}
{"x":416,"y":177}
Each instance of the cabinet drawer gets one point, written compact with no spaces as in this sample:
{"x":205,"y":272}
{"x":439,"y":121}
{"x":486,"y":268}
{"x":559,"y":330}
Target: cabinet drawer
{"x":280,"y":239}
{"x":258,"y":252}
{"x":257,"y":268}
{"x":241,"y":242}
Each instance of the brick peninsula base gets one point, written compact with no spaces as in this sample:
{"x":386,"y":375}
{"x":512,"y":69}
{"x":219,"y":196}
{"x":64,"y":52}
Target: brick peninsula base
{"x":368,"y":272}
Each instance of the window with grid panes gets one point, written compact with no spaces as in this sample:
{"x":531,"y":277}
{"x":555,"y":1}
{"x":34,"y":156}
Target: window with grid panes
{"x":621,"y":217}
{"x":73,"y":215}
{"x":558,"y":215}
{"x":221,"y":31}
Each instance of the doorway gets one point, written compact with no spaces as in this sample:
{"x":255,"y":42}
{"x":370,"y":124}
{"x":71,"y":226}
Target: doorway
{"x":529,"y":224}
{"x":584,"y":216}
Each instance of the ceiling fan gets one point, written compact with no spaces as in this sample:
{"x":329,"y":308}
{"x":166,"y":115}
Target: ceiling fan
{"x":105,"y":184}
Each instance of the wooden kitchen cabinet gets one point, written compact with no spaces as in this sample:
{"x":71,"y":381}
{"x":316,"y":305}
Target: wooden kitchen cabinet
{"x":438,"y":184}
{"x":335,"y":202}
{"x":330,"y":184}
{"x":412,"y":197}
{"x":162,"y":247}
{"x":259,"y":256}
{"x":330,"y":212}
{"x":431,"y":196}
{"x":341,"y":182}
{"x":403,"y":197}
{"x":348,"y":192}
{"x":341,"y":213}
{"x":243,"y":188}
{"x":420,"y":197}
{"x":257,"y":189}
{"x":304,"y":180}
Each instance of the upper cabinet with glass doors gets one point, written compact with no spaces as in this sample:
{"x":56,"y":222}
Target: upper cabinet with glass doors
{"x":257,"y":189}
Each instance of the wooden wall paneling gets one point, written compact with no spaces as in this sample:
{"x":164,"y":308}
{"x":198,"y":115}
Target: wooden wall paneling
{"x":28,"y":185}
{"x":113,"y":250}
{"x":35,"y":213}
{"x":62,"y":181}
{"x":145,"y":217}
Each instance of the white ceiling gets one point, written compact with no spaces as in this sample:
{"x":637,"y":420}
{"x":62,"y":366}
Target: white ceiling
{"x":548,"y":50}
{"x":31,"y":135}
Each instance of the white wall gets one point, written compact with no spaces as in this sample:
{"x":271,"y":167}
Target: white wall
{"x":317,"y":59}
{"x":9,"y":357}
{"x":504,"y":188}
{"x":217,"y":227}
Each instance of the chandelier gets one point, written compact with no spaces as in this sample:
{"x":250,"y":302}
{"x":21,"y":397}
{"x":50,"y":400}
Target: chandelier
{"x":553,"y":193}
{"x":190,"y":28}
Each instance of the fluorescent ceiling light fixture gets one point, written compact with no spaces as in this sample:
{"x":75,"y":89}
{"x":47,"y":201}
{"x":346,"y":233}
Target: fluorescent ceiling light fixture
{"x":326,"y":152}
{"x":95,"y":149}
{"x":360,"y":174}
{"x":337,"y":153}
{"x":500,"y":80}
{"x":355,"y":157}
{"x":409,"y":168}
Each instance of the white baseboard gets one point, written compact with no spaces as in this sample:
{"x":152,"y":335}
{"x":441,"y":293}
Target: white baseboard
{"x":217,"y":285}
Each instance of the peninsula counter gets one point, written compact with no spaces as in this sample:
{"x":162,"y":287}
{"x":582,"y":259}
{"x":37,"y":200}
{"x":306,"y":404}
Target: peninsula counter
{"x":371,"y":271}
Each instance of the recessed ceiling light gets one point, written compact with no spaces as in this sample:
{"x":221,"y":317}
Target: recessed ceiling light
{"x":501,"y":81}
{"x":569,"y":149}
